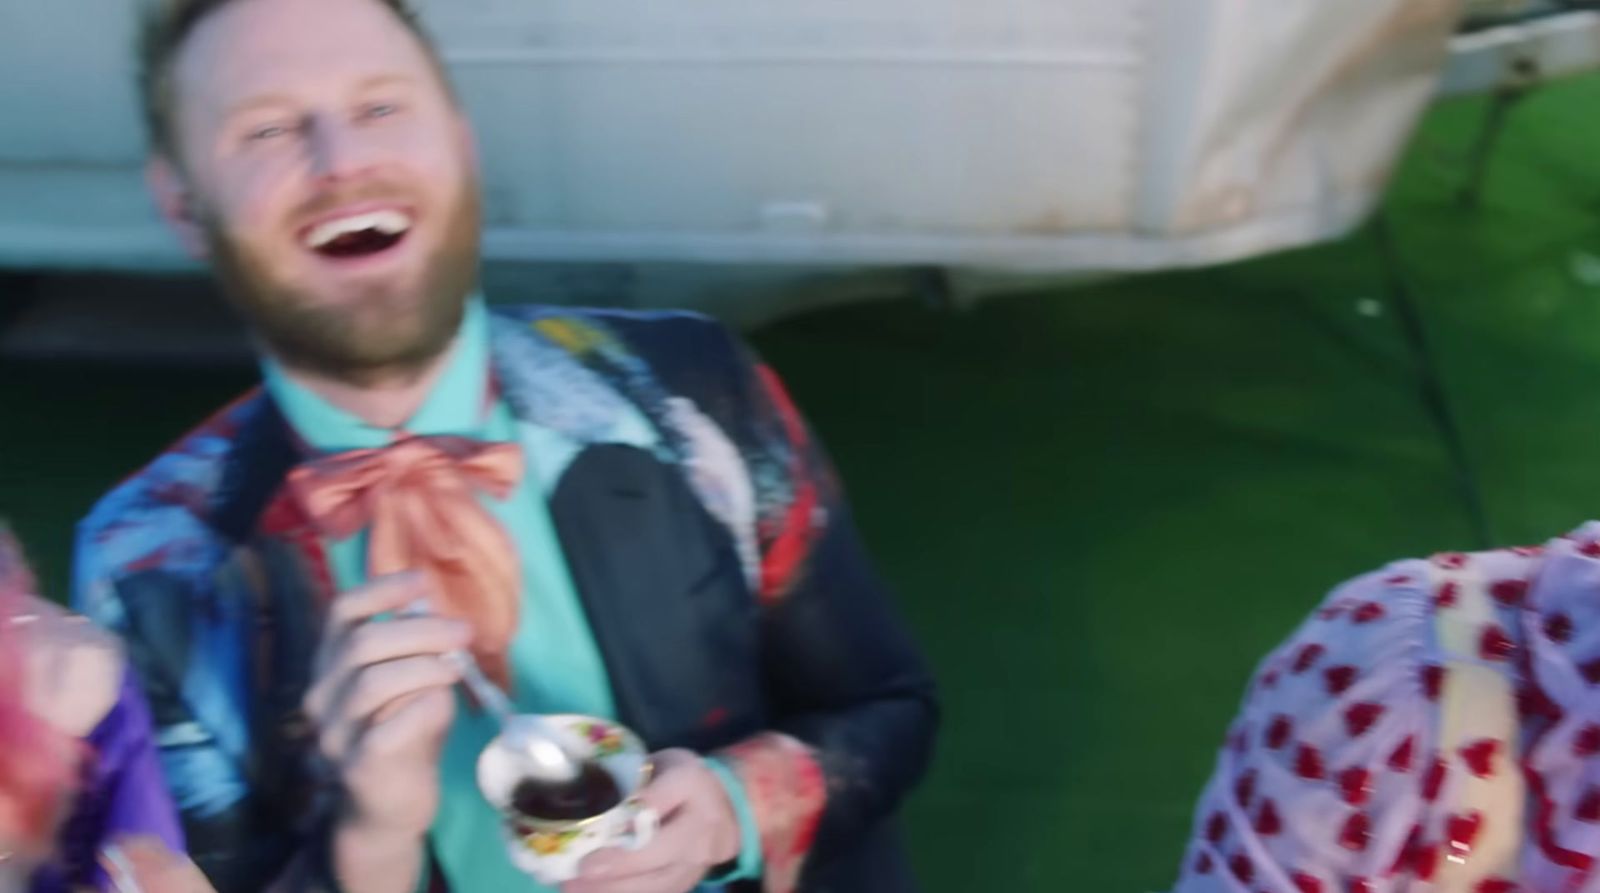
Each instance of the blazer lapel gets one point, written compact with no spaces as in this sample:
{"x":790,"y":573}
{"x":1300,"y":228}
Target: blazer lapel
{"x":663,"y":586}
{"x":665,"y":595}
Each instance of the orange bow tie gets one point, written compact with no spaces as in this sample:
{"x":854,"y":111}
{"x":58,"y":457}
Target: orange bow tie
{"x":418,"y":498}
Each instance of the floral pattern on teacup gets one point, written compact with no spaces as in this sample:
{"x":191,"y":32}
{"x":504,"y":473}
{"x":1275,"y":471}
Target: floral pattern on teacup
{"x":606,"y":739}
{"x":550,"y":843}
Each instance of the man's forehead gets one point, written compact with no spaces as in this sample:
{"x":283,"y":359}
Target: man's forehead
{"x":257,"y":47}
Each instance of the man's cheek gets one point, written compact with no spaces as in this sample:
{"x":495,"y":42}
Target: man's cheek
{"x":258,"y":225}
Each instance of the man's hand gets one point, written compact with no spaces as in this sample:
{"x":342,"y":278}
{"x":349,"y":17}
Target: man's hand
{"x":381,"y":703}
{"x":699,"y":831}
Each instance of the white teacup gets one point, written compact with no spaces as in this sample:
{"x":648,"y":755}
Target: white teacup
{"x":551,"y":849}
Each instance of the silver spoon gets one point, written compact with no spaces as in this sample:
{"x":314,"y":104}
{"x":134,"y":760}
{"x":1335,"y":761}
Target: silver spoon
{"x":541,"y":748}
{"x":544,"y":751}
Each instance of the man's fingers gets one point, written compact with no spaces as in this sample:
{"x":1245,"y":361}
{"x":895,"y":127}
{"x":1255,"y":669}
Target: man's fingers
{"x":376,"y":643}
{"x":675,"y":782}
{"x":376,"y":693}
{"x":388,"y":593}
{"x":319,"y":699}
{"x":387,"y":760}
{"x":424,"y":717}
{"x":342,"y":698}
{"x":665,"y":849}
{"x":377,"y":686}
{"x":676,"y":878}
{"x":677,"y":859}
{"x":357,"y":606}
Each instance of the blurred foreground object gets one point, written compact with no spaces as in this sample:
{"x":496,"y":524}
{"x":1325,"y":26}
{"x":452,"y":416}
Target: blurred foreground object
{"x":77,"y":762}
{"x":146,"y":865}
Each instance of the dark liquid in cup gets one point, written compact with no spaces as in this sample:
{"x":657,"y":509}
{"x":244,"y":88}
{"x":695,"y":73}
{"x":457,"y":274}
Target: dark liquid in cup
{"x":594,"y":791}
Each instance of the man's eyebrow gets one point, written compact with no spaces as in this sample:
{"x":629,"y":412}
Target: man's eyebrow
{"x":265,"y":100}
{"x":268,"y":100}
{"x":384,"y":80}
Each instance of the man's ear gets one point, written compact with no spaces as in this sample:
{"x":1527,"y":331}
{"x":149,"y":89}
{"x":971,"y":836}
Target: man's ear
{"x":176,"y":204}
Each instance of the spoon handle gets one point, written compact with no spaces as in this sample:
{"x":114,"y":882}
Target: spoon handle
{"x":488,"y":694}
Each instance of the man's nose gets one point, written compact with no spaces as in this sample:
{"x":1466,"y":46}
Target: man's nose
{"x":339,"y":150}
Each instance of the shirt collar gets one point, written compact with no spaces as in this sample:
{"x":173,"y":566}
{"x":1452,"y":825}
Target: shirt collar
{"x":455,"y":404}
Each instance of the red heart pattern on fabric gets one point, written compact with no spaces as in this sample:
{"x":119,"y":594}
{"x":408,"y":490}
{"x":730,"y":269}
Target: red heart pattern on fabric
{"x":1404,"y":755}
{"x":1360,"y":718}
{"x":1368,"y":612}
{"x":1461,"y":833}
{"x":1339,"y":679}
{"x":1496,"y":643}
{"x":1511,"y":593}
{"x":1587,"y":742}
{"x":1268,"y":822}
{"x":1432,"y":681}
{"x":1308,"y":763}
{"x":1479,"y":756}
{"x":1356,"y":833}
{"x":1308,"y":657}
{"x":1433,"y":782}
{"x":1355,"y":785}
{"x":1242,"y":868}
{"x":1558,"y":628}
{"x":1589,"y":806}
{"x":1278,"y":732}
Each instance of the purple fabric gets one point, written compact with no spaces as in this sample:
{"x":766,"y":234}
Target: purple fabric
{"x":123,"y":795}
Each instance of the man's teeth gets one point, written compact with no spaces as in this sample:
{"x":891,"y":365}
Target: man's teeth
{"x":390,"y":223}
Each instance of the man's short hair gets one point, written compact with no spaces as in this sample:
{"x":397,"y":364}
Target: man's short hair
{"x":168,"y":24}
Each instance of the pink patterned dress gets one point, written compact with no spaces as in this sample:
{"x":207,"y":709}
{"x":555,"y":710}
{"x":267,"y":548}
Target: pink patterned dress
{"x":1433,"y":726}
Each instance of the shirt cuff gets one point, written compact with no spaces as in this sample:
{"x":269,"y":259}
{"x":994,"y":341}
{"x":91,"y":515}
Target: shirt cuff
{"x":748,"y":866}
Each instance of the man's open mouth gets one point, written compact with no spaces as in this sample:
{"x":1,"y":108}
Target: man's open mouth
{"x":360,"y":235}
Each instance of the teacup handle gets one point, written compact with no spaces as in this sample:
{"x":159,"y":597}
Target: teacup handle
{"x":646,"y":822}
